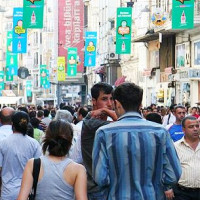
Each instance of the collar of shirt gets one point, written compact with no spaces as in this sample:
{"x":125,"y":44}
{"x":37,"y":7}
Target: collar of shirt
{"x":183,"y":141}
{"x":130,"y":114}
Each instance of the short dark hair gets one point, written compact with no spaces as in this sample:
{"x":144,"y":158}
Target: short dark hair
{"x":6,"y":119}
{"x":129,"y":95}
{"x":187,"y":118}
{"x":20,"y":122}
{"x":58,"y":138}
{"x":83,"y":111}
{"x":46,"y":112}
{"x":154,"y":117}
{"x":101,"y":87}
{"x":179,"y":106}
{"x":35,"y":122}
{"x":40,"y":113}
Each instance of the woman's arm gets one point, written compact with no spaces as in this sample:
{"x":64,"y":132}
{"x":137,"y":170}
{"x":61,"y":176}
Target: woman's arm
{"x":27,"y":181}
{"x":80,"y":186}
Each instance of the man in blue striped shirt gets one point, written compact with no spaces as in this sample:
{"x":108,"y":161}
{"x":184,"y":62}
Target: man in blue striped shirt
{"x":134,"y":158}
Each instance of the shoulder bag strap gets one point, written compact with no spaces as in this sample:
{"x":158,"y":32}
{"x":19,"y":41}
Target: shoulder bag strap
{"x":36,"y":171}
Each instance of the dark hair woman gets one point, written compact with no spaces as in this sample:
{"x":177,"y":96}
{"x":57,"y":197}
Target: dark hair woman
{"x":15,"y":151}
{"x":59,"y":177}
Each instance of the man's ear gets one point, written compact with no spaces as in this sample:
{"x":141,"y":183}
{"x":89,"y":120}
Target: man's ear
{"x":94,"y":102}
{"x":117,"y":104}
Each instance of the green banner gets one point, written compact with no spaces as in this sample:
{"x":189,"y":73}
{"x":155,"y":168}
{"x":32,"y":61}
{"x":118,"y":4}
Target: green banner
{"x":123,"y":30}
{"x":29,"y":88}
{"x":43,"y":75}
{"x":183,"y":14}
{"x":72,"y":62}
{"x":11,"y":58}
{"x":1,"y":80}
{"x":8,"y":76}
{"x":61,"y":69}
{"x":33,"y":11}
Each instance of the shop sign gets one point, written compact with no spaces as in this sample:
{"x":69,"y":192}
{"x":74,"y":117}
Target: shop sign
{"x":194,"y":73}
{"x":183,"y":74}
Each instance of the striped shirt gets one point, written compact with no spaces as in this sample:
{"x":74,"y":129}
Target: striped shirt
{"x":135,"y":159}
{"x":190,"y":162}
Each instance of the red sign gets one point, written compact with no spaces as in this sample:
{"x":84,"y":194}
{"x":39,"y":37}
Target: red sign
{"x":71,"y":28}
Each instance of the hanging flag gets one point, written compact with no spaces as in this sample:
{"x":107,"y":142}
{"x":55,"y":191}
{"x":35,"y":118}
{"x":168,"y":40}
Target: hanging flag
{"x":72,"y":61}
{"x":8,"y":76}
{"x":47,"y":82}
{"x":43,"y":75}
{"x":1,"y":81}
{"x":11,"y":58}
{"x":61,"y":72}
{"x":90,"y":49}
{"x":33,"y":13}
{"x":182,"y":14}
{"x":19,"y":32}
{"x":29,"y":88}
{"x":123,"y":30}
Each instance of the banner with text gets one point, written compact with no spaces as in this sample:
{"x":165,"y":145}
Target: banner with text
{"x":71,"y":29}
{"x":33,"y":13}
{"x":11,"y":58}
{"x":123,"y":32}
{"x":43,"y":75}
{"x":19,"y":32}
{"x":72,"y":61}
{"x":90,"y":49}
{"x":183,"y":14}
{"x":61,"y":72}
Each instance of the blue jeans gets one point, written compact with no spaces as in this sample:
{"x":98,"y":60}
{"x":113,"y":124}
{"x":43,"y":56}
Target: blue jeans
{"x":102,"y":195}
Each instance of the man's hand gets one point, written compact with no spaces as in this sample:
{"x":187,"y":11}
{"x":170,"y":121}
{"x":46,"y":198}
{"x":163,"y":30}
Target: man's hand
{"x":169,"y":194}
{"x":102,"y":113}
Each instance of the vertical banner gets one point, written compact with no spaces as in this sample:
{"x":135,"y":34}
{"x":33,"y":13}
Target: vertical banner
{"x":11,"y":58}
{"x":72,"y":61}
{"x":43,"y":75}
{"x":71,"y":28}
{"x":33,"y":12}
{"x":90,"y":49}
{"x":19,"y":32}
{"x":123,"y":30}
{"x":8,"y":76}
{"x":182,"y":14}
{"x":1,"y":82}
{"x":61,"y":72}
{"x":29,"y":88}
{"x":47,"y":83}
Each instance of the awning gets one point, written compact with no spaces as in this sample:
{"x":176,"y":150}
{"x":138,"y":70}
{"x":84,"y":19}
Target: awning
{"x":11,"y":100}
{"x":155,"y":36}
{"x":120,"y":80}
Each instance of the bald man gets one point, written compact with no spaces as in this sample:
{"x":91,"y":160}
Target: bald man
{"x":6,"y":121}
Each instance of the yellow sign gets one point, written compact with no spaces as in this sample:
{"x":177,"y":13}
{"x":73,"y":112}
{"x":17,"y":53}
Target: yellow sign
{"x":61,"y":72}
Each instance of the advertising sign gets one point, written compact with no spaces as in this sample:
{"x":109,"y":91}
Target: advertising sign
{"x":43,"y":75}
{"x":8,"y":76}
{"x":19,"y":32}
{"x":123,"y":35}
{"x":71,"y":28}
{"x":28,"y":88}
{"x":90,"y":49}
{"x":72,"y":62}
{"x":33,"y":13}
{"x":61,"y":72}
{"x":11,"y":58}
{"x":182,"y":14}
{"x":1,"y":81}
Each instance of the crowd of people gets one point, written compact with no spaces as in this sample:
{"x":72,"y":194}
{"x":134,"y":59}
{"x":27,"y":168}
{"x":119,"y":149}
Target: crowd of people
{"x":113,"y":150}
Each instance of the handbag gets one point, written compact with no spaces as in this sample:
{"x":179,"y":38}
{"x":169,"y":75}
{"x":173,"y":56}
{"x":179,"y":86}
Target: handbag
{"x":36,"y":171}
